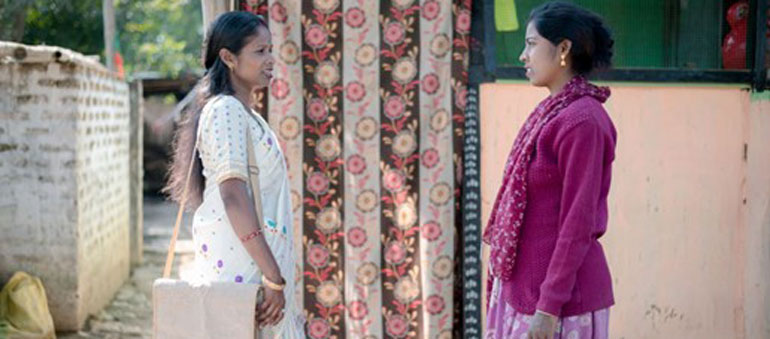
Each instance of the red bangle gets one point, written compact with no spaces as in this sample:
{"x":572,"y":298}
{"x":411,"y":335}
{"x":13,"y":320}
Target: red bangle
{"x":250,"y":236}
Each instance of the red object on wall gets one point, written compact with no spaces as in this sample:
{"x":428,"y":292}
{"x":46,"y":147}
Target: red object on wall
{"x":734,"y":44}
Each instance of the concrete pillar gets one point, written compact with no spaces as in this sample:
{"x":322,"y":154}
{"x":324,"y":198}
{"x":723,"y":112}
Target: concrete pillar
{"x":212,"y":8}
{"x":136,"y":170}
{"x":108,"y":16}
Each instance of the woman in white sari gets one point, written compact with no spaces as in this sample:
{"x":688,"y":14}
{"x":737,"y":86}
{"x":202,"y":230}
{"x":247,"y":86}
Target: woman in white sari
{"x":232,"y":244}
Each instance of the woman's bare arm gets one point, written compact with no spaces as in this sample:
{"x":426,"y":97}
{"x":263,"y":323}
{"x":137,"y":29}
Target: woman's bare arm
{"x":243,"y":218}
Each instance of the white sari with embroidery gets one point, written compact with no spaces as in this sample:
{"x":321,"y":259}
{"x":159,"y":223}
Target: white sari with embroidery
{"x":219,"y":254}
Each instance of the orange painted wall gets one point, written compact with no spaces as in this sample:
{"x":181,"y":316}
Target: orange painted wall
{"x":689,"y":232}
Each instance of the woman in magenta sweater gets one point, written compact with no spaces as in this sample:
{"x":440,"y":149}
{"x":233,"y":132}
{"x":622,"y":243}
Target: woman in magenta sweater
{"x":548,"y":274}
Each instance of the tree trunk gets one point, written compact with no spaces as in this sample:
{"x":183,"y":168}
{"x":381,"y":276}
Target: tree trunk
{"x":12,"y":18}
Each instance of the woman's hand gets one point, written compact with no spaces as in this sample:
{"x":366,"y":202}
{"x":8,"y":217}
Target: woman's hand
{"x":543,"y":326}
{"x":270,"y":312}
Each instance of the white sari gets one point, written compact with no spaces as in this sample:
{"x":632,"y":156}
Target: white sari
{"x":219,"y":254}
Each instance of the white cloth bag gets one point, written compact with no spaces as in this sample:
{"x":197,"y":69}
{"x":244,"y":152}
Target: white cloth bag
{"x":207,"y":311}
{"x":216,"y":310}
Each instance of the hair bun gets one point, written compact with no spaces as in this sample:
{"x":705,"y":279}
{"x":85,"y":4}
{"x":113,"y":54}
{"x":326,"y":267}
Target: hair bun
{"x":592,"y":44}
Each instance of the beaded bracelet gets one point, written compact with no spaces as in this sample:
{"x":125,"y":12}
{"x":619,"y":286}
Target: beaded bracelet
{"x":251,"y":235}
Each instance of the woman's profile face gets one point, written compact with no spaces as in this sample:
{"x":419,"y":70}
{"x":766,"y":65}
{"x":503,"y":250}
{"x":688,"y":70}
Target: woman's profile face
{"x":540,"y":58}
{"x":254,"y":62}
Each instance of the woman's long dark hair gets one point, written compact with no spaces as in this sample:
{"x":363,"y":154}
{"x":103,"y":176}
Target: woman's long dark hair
{"x":231,"y":31}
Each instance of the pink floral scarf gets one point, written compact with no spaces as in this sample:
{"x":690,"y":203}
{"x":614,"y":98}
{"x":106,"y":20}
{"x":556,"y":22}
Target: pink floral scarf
{"x":504,"y":227}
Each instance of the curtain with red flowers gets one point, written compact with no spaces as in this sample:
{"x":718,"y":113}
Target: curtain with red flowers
{"x":368,"y":101}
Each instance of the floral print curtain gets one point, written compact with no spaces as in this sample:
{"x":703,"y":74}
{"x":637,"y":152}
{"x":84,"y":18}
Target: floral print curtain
{"x":368,"y":101}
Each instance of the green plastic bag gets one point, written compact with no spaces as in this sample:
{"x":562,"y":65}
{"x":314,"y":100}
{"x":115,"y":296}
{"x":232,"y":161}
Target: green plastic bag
{"x":24,"y":309}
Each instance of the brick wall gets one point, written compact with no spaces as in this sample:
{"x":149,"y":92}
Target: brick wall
{"x":64,"y":177}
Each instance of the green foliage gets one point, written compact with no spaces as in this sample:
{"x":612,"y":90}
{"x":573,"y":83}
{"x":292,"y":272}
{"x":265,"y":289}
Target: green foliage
{"x":76,"y":25}
{"x":162,"y":36}
{"x":12,"y":15}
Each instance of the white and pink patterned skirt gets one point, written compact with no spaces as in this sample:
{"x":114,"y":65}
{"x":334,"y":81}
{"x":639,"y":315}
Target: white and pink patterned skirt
{"x":505,"y":322}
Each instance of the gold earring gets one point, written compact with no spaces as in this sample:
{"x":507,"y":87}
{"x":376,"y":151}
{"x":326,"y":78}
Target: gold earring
{"x":563,"y":62}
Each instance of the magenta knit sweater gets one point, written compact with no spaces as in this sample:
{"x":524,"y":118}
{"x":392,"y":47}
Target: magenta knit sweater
{"x":560,"y":266}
